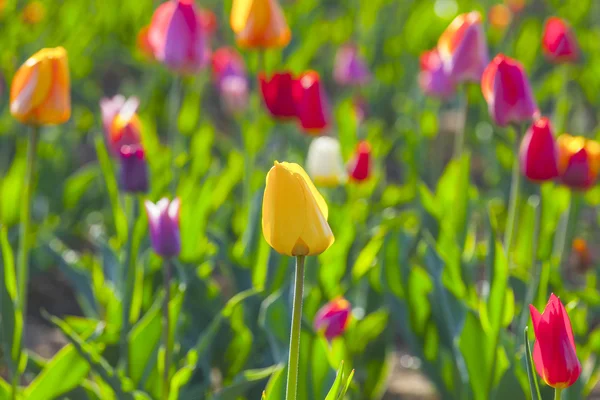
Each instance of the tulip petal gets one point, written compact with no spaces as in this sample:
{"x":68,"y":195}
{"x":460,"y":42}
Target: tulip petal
{"x":173,"y":211}
{"x":295,"y":168}
{"x":283,"y":208}
{"x":538,"y":360}
{"x":240,"y":10}
{"x":316,"y":235}
{"x":57,"y":105}
{"x":22,"y":90}
{"x":567,"y":322}
{"x":177,"y":40}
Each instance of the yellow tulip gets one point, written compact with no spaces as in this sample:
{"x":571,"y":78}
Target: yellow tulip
{"x":40,"y":91}
{"x":259,"y":23}
{"x":294,"y":219}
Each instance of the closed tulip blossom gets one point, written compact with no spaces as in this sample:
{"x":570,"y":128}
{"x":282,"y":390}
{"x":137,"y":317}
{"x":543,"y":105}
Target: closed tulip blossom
{"x":277,"y":96}
{"x":259,"y":24}
{"x":312,"y":107}
{"x":134,"y":170}
{"x":324,"y":162}
{"x":294,"y":214}
{"x":554,"y":353}
{"x":163,"y":221}
{"x":41,"y":91}
{"x":433,"y":78}
{"x":578,"y":161}
{"x":350,"y":68}
{"x":558,"y":41}
{"x":229,"y":74}
{"x":538,"y":153}
{"x":177,"y":37}
{"x":121,"y":124}
{"x":507,"y":92}
{"x":226,"y":62}
{"x":463,"y":48}
{"x":359,"y":168}
{"x":333,"y":318}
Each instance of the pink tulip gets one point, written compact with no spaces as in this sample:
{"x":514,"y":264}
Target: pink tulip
{"x":333,"y":318}
{"x":539,"y":153}
{"x":433,"y":79}
{"x":350,"y":68}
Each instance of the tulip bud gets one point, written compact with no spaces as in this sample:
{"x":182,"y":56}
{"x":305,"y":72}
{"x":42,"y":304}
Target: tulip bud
{"x":433,"y":78}
{"x":177,"y":38}
{"x":500,"y":16}
{"x":324,"y":162}
{"x":234,"y":94}
{"x":227,"y":62}
{"x":294,"y":214}
{"x":506,"y":89}
{"x":333,"y":318}
{"x":554,"y":353}
{"x":360,"y":166}
{"x":259,"y":24}
{"x":578,"y":161}
{"x":122,"y":126}
{"x":40,"y":91}
{"x":538,"y":153}
{"x":463,"y":48}
{"x":558,"y":42}
{"x":134,"y":170}
{"x":312,"y":107}
{"x":277,"y":94}
{"x":163,"y":221}
{"x":350,"y":68}
{"x":34,"y":13}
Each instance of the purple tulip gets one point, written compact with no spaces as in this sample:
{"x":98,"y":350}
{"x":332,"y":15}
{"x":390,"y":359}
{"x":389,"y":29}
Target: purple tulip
{"x":350,"y":68}
{"x":163,"y":220}
{"x":134,"y":169}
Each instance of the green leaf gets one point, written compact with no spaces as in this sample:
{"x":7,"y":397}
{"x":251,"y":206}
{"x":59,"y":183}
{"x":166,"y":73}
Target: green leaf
{"x":11,"y":188}
{"x":11,"y":320}
{"x":367,"y":257}
{"x":338,"y":384}
{"x":78,"y":183}
{"x":275,"y":389}
{"x":533,"y":382}
{"x":322,"y":372}
{"x":245,"y":381}
{"x":143,"y":338}
{"x":366,"y":330}
{"x":64,"y":372}
{"x":5,"y":389}
{"x":183,"y":375}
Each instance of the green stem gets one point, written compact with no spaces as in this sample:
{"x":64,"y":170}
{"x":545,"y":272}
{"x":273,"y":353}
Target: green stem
{"x":166,"y":329}
{"x":459,"y":139}
{"x":172,"y":133}
{"x":568,"y":227}
{"x":294,"y":358}
{"x":557,"y":393}
{"x":24,"y":241}
{"x":515,"y":188}
{"x":128,"y":288}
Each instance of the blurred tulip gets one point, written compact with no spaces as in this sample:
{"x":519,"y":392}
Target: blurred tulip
{"x":554,"y":353}
{"x":143,"y":44}
{"x":312,"y":107}
{"x":433,"y":79}
{"x":229,"y":74}
{"x":360,"y":166}
{"x":122,"y":126}
{"x":208,"y":21}
{"x":259,"y":24}
{"x":506,"y":89}
{"x":40,"y":91}
{"x":294,"y":214}
{"x":578,"y":161}
{"x":324,"y":162}
{"x":277,"y":94}
{"x":500,"y":16}
{"x":33,"y":13}
{"x":539,"y":153}
{"x":516,"y":6}
{"x":361,"y":108}
{"x":234,"y":94}
{"x":558,"y":41}
{"x":226,"y":62}
{"x":463,"y":48}
{"x":333,"y":318}
{"x":134,"y":169}
{"x":582,"y":257}
{"x":349,"y":67}
{"x":177,"y":38}
{"x":163,"y":221}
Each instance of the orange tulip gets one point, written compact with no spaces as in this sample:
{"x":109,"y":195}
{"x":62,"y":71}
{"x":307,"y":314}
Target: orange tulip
{"x":259,"y":23}
{"x":578,"y":161}
{"x":40,"y":91}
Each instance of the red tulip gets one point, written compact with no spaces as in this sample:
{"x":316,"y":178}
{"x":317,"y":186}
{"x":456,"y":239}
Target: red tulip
{"x":554,"y":353}
{"x":463,"y":48}
{"x":539,"y":153}
{"x":433,"y":79}
{"x":177,"y":37}
{"x":312,"y":108}
{"x":506,"y":89}
{"x":359,"y":168}
{"x":277,"y":94}
{"x":558,"y":42}
{"x":578,"y":161}
{"x":333,"y":318}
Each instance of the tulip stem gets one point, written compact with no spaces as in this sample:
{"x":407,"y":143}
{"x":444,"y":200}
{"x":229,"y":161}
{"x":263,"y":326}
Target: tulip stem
{"x":172,"y":134}
{"x":23,"y":256}
{"x":515,"y":187}
{"x":293,"y":360}
{"x":568,"y":226}
{"x":166,"y":328}
{"x":557,"y":393}
{"x":459,"y":139}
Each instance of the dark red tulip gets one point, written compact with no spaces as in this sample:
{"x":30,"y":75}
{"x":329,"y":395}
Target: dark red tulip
{"x":554,"y":353}
{"x":539,"y":153}
{"x":333,"y":318}
{"x":558,"y":41}
{"x":277,"y":94}
{"x":359,"y":168}
{"x":312,"y":108}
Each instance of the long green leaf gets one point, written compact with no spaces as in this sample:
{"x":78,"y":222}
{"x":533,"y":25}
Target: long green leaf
{"x":11,"y":317}
{"x":533,"y":382}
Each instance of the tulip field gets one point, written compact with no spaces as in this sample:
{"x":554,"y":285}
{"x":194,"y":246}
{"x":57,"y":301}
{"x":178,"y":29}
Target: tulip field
{"x":299,"y":199}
